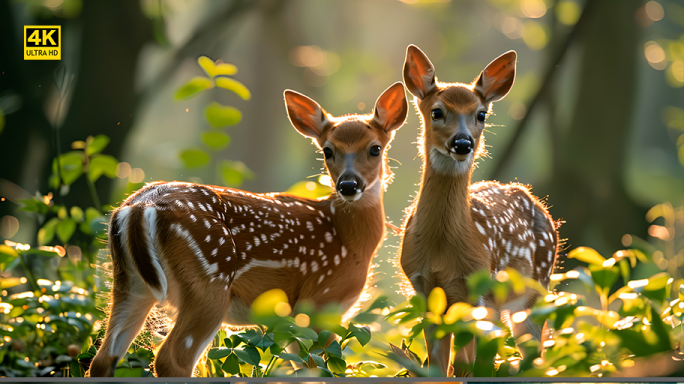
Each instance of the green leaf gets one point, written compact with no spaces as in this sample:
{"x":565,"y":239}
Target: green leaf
{"x":7,"y":256}
{"x":129,"y":372}
{"x":9,"y":251}
{"x":216,"y":140}
{"x":291,"y":357}
{"x":221,"y":116}
{"x":233,"y":85}
{"x":47,"y":233}
{"x":193,"y":87}
{"x":333,"y":349}
{"x":234,"y":172}
{"x":586,"y":254}
{"x":96,"y":144}
{"x":213,"y":69}
{"x":76,"y":213}
{"x":219,"y":353}
{"x":337,"y":365}
{"x":75,"y":368}
{"x":193,"y":158}
{"x":102,"y":164}
{"x":231,"y":365}
{"x":249,"y":355}
{"x":317,"y":360}
{"x":92,"y":214}
{"x":71,"y":164}
{"x":362,"y":334}
{"x":486,"y":350}
{"x":65,"y":229}
{"x":604,"y":277}
{"x":323,"y":337}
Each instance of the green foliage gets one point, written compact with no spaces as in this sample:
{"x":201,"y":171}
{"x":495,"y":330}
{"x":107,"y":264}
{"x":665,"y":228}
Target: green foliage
{"x":48,"y":312}
{"x":586,"y":341}
{"x":231,"y":173}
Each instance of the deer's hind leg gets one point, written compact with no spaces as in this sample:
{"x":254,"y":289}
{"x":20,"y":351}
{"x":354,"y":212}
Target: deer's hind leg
{"x":198,"y":320}
{"x":132,"y":301}
{"x":130,"y":308}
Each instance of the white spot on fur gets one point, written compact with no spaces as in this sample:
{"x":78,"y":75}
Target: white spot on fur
{"x":479,"y":228}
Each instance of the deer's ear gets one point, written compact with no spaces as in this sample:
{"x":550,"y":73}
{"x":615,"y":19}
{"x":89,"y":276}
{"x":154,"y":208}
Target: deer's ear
{"x":419,"y":74}
{"x":306,"y":115}
{"x":497,"y":78}
{"x":391,"y":108}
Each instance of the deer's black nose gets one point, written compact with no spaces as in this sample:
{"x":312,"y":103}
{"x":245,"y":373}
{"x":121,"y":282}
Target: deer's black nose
{"x":462,"y":144}
{"x":347,"y":187}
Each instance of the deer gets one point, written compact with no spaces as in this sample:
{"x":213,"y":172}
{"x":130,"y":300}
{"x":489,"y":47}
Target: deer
{"x":207,"y":251}
{"x":454,"y":228}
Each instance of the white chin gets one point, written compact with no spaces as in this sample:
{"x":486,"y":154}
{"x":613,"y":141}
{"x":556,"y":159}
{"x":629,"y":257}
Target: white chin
{"x":353,"y":197}
{"x":458,"y":157}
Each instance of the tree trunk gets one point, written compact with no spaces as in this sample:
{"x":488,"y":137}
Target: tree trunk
{"x":589,"y":177}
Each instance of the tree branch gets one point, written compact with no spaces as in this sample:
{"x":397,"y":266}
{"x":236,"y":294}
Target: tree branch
{"x":505,"y":157}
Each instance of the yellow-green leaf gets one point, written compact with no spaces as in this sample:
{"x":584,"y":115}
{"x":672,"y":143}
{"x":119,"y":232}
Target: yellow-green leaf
{"x":234,"y":172}
{"x":309,"y":189}
{"x":213,"y":69}
{"x":216,"y":140}
{"x":65,"y":229}
{"x":456,"y":312}
{"x":436,"y":301}
{"x":102,"y":164}
{"x":233,"y":85}
{"x":657,"y":281}
{"x":586,"y":254}
{"x":76,"y":213}
{"x":9,"y":282}
{"x":96,"y":144}
{"x":221,"y":116}
{"x":266,"y":303}
{"x":516,"y":279}
{"x":607,"y":318}
{"x":194,"y":86}
{"x":193,"y":158}
{"x":7,"y":250}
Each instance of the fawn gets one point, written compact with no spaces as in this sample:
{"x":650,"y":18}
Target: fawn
{"x":209,"y":251}
{"x":453,"y":228}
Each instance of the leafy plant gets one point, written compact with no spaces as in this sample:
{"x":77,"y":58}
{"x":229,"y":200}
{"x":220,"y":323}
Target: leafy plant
{"x":48,"y":318}
{"x":586,"y":341}
{"x":219,"y":116}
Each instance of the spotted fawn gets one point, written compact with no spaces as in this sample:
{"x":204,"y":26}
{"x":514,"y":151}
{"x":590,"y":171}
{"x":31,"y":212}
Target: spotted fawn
{"x":209,"y":251}
{"x":455,"y":228}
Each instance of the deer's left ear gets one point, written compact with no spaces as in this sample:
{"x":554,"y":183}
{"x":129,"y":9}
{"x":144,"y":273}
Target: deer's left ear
{"x":308,"y":118}
{"x":391,"y":108}
{"x":497,"y":78}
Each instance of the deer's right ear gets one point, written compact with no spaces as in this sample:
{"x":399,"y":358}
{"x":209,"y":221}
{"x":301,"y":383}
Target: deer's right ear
{"x":306,"y":115}
{"x":419,"y":74}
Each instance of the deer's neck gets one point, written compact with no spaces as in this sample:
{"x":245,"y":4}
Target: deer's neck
{"x":442,"y":213}
{"x":361,"y":224}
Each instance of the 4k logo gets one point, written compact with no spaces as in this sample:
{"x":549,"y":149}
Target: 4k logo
{"x":42,"y":42}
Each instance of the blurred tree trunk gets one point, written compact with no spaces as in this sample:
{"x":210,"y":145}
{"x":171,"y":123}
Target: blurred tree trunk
{"x":103,"y":94}
{"x":104,"y":97}
{"x":25,"y":139}
{"x":589,"y":175}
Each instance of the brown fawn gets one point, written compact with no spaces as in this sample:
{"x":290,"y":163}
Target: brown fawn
{"x":209,"y":251}
{"x":453,"y":228}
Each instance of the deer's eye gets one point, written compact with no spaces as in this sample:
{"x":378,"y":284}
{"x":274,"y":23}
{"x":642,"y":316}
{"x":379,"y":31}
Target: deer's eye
{"x":437,"y":114}
{"x":327,"y":152}
{"x":375,"y":150}
{"x":482,"y":115}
